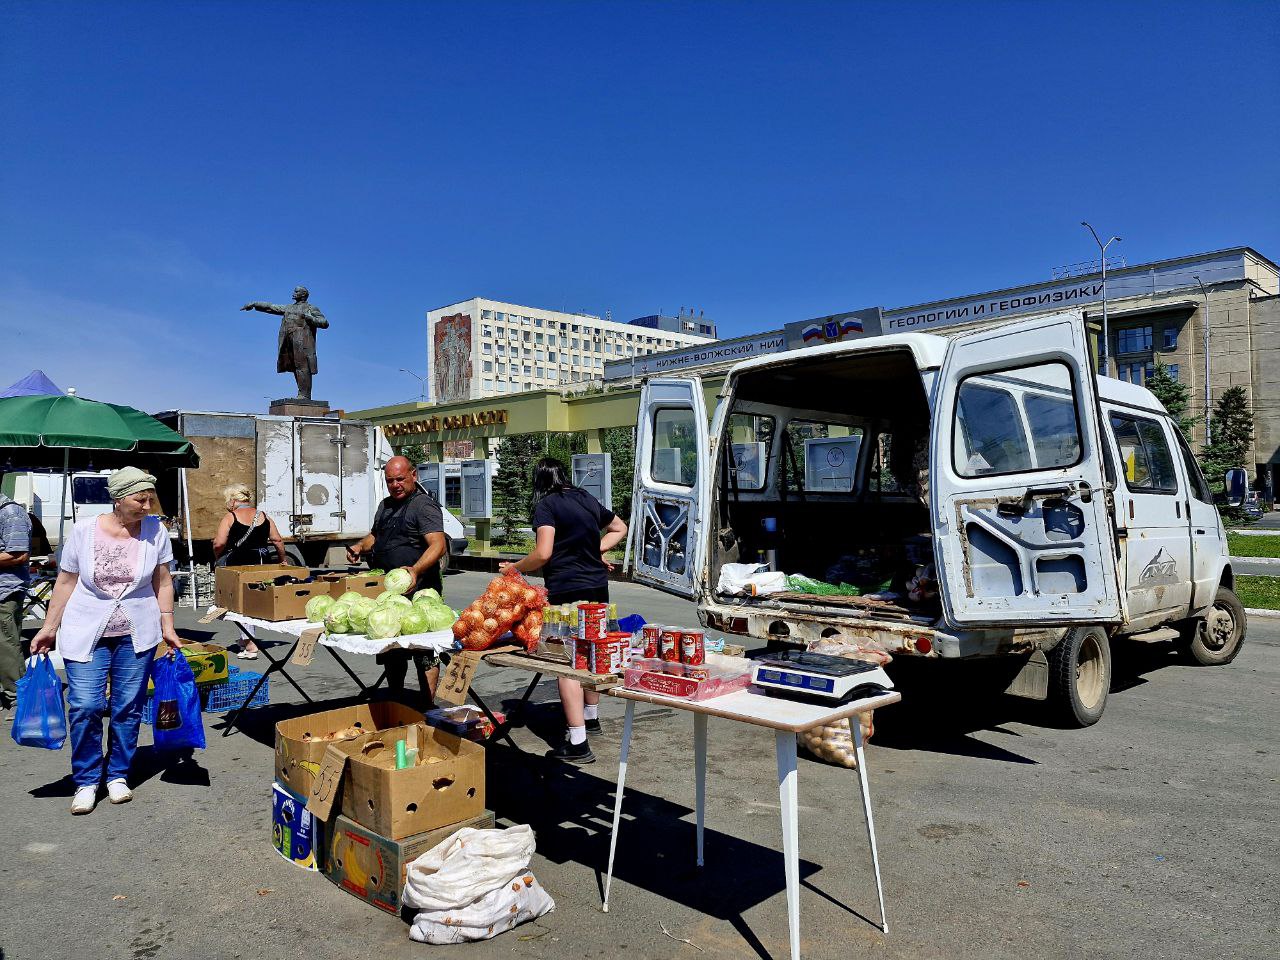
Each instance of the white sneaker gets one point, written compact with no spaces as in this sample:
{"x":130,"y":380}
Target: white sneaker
{"x":84,"y":801}
{"x":119,"y":791}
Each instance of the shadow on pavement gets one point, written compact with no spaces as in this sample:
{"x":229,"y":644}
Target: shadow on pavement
{"x":571,"y":811}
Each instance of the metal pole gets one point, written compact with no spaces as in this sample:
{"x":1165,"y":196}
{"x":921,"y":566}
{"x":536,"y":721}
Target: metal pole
{"x":1204,"y":332}
{"x":1106,"y":329}
{"x":191,"y":553}
{"x":62,"y":507}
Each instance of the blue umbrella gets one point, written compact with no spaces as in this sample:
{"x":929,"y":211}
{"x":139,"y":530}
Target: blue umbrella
{"x":34,"y":384}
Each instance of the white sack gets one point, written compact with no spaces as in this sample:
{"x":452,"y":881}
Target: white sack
{"x":750,"y":580}
{"x":474,"y":886}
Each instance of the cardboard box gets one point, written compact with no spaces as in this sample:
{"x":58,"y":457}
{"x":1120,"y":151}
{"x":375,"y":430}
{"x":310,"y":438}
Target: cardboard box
{"x":366,"y":585}
{"x":281,"y":603}
{"x":299,"y":747}
{"x":229,"y":582}
{"x":209,"y":663}
{"x":295,"y":833}
{"x":446,"y":786}
{"x":372,"y":867}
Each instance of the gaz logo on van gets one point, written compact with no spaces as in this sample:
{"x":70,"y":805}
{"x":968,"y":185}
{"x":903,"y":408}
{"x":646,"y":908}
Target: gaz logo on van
{"x":1162,"y":568}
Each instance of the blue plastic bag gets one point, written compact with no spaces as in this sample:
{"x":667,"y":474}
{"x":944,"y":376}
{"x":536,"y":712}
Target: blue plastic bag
{"x":178,"y":724}
{"x":40,"y":719}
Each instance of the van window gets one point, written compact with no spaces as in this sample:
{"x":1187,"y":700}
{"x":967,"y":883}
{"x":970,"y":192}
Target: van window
{"x":995,"y":414}
{"x":1144,"y":454}
{"x":821,"y":457}
{"x":89,"y":490}
{"x":675,"y":447}
{"x":1195,"y":478}
{"x":750,"y":436}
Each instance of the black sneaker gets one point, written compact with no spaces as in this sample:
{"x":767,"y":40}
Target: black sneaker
{"x":593,"y":725}
{"x":573,"y":753}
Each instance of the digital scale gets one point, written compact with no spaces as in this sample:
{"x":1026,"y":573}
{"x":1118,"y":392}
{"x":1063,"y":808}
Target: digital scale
{"x":802,"y":675}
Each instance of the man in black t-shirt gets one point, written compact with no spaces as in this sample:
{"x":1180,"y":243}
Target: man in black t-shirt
{"x":408,"y":532}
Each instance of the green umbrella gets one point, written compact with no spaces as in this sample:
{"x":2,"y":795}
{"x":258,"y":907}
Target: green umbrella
{"x":71,"y":432}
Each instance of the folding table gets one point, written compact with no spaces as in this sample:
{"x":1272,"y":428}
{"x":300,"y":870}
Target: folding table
{"x":786,"y":718}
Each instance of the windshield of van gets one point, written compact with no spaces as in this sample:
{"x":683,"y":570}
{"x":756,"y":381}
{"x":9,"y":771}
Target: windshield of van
{"x":90,"y":490}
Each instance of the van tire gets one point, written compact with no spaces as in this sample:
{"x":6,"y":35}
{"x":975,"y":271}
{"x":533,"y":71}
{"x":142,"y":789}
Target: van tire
{"x":294,"y":555}
{"x":1217,"y":638}
{"x":1080,"y":676}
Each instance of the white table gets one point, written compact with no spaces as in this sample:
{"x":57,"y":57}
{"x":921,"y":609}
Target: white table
{"x":786,"y":718}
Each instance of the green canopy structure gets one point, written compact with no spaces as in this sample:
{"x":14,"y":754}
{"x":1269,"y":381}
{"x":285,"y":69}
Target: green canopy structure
{"x":70,"y":432}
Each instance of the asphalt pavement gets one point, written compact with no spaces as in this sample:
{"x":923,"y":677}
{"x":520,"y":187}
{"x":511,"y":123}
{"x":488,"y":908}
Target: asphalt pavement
{"x":1151,"y":834}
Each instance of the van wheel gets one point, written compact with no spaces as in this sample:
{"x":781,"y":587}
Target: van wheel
{"x":1217,"y":638}
{"x":294,"y":555}
{"x":1080,"y":676}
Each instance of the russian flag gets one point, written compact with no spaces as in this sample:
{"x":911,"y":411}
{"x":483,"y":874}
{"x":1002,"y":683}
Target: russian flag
{"x":850,"y":325}
{"x":811,"y":332}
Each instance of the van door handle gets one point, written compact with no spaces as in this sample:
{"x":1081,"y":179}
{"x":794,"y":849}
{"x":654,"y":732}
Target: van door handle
{"x":1200,"y":533}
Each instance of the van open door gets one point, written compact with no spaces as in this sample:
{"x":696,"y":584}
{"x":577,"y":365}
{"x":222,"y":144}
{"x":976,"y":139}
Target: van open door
{"x":670,"y":484}
{"x":1022,"y":531}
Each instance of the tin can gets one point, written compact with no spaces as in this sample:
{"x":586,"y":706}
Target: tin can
{"x":652,"y":644}
{"x":592,"y":620}
{"x":693,"y":647}
{"x":674,"y":667}
{"x":697,"y":673}
{"x":669,"y":644}
{"x":620,"y":642}
{"x":577,"y":651}
{"x":600,"y":657}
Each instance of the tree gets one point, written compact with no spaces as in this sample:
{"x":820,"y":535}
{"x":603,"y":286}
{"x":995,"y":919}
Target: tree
{"x":1174,"y":394}
{"x":620,"y":444}
{"x":1232,"y":429}
{"x":513,"y":483}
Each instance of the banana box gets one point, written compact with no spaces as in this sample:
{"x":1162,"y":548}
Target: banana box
{"x":208,"y":662}
{"x":373,"y":867}
{"x":294,"y":831}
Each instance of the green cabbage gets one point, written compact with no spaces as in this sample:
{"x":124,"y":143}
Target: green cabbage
{"x":337,"y":620}
{"x":384,"y":623}
{"x":375,"y":573}
{"x":350,"y":597}
{"x":317,"y":607}
{"x":359,"y":614}
{"x":439,"y":617}
{"x":393,"y":600}
{"x":429,"y":594}
{"x":399,"y":581}
{"x":414,"y":620}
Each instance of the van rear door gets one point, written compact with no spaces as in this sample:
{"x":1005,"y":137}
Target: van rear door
{"x":1022,"y":531}
{"x":671,"y":473}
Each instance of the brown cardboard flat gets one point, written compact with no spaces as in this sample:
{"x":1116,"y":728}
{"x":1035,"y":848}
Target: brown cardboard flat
{"x":230,"y":582}
{"x":281,"y":603}
{"x":373,"y":867}
{"x":299,"y":747}
{"x":366,"y":586}
{"x":445,"y":787}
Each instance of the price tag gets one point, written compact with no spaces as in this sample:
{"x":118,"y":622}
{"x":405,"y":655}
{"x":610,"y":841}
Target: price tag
{"x":215,"y":613}
{"x":306,"y":647}
{"x":324,"y":788}
{"x":456,"y":679}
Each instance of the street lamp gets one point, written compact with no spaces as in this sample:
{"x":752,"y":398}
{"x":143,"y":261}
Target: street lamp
{"x":422,"y":395}
{"x":1106,"y":330}
{"x":1204,"y":328}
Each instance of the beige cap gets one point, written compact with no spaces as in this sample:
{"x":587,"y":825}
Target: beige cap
{"x":129,"y":480}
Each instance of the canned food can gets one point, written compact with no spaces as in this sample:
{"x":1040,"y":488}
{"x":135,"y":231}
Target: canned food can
{"x":620,"y":642}
{"x":601,"y":657}
{"x":652,"y":644}
{"x":693,"y":647}
{"x":592,"y":620}
{"x":673,"y":667}
{"x":577,"y":651}
{"x":669,"y":644}
{"x":697,"y":673}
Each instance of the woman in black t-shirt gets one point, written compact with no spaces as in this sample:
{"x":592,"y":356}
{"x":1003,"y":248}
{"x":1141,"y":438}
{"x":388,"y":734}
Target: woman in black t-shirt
{"x":573,"y":532}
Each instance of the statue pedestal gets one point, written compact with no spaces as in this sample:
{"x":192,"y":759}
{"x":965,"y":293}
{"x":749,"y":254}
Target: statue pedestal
{"x":295,"y":407}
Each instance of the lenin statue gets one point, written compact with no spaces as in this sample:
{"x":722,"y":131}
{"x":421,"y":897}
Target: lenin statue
{"x":296,"y":346}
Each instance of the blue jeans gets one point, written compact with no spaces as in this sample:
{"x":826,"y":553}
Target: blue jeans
{"x":113,"y":658}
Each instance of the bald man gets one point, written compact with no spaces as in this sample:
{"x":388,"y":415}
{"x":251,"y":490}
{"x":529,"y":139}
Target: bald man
{"x":408,"y":532}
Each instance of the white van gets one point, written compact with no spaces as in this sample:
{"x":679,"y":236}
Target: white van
{"x":1059,"y":509}
{"x":41,"y":494}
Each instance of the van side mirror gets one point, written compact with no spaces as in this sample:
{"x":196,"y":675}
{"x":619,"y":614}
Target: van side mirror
{"x":1236,"y":481}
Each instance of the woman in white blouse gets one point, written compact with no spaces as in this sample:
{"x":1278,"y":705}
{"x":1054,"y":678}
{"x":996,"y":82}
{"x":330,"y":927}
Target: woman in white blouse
{"x":112,"y":606}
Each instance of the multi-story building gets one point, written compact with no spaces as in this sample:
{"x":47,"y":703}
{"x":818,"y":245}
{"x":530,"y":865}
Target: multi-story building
{"x":698,"y":326}
{"x":485,"y":348}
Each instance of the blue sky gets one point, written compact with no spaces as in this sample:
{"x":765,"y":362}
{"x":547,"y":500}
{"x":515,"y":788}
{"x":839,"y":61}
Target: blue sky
{"x":166,"y":162}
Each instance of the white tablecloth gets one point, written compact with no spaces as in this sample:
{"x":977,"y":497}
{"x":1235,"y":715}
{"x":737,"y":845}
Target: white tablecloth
{"x":438,"y":641}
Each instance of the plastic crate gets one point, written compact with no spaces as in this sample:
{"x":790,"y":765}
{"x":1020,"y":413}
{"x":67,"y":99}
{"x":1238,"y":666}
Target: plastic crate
{"x":229,"y":695}
{"x":220,"y":696}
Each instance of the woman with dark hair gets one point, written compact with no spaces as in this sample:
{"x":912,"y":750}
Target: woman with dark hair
{"x":573,"y":532}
